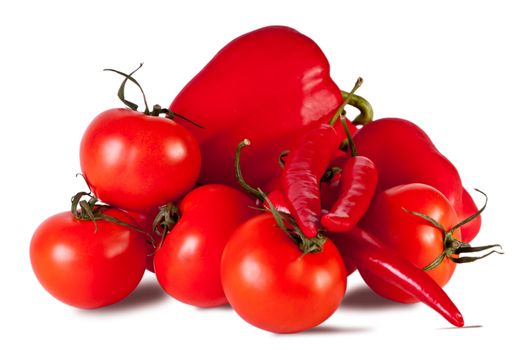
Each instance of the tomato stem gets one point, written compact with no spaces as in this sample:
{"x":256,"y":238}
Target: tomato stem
{"x":238,"y":171}
{"x":453,"y":247}
{"x":92,"y":210}
{"x":120,"y":92}
{"x":157,"y":110}
{"x":165,"y":220}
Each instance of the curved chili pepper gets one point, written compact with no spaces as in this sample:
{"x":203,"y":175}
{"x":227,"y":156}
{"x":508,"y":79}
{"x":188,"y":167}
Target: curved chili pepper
{"x":372,"y":257}
{"x":300,"y":179}
{"x":357,"y":187}
{"x":279,"y":202}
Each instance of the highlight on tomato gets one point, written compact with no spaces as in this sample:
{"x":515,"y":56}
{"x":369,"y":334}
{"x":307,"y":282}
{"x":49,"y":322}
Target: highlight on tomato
{"x":187,"y":264}
{"x":138,"y":161}
{"x":281,"y":282}
{"x":421,"y":224}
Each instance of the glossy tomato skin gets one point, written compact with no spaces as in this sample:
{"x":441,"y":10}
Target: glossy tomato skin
{"x":412,"y":237}
{"x":187,"y":265}
{"x":137,"y":162}
{"x":84,"y":268}
{"x":271,"y":284}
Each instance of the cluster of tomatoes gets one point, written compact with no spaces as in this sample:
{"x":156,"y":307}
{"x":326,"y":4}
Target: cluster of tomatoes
{"x":274,"y":228}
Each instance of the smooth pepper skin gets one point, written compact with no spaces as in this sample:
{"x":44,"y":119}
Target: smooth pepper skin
{"x":403,"y":153}
{"x":373,"y":258}
{"x":300,"y":179}
{"x":269,"y":86}
{"x":471,"y":229}
{"x":357,"y":187}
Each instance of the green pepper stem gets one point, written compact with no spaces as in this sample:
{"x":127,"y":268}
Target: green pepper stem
{"x":347,"y":100}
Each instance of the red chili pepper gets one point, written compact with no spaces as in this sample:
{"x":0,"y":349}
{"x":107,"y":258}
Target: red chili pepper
{"x":279,"y":202}
{"x":357,"y":187}
{"x":300,"y":179}
{"x":376,"y":259}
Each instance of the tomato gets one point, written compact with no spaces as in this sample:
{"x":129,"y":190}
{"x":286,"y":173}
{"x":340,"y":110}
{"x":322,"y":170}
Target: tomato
{"x":138,"y":162}
{"x":273,"y":285}
{"x":415,"y":238}
{"x":86,"y":268}
{"x":187,"y":265}
{"x":145,"y":221}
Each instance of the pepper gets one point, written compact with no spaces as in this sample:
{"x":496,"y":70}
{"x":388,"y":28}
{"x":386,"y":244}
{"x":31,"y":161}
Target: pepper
{"x":403,"y":153}
{"x":270,"y":85}
{"x":267,"y":86}
{"x":377,"y":262}
{"x":307,"y":162}
{"x":300,"y":179}
{"x":357,"y":187}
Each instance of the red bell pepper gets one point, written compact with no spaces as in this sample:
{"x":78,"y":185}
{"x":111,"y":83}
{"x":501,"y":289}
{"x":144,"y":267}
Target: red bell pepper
{"x":403,"y":153}
{"x":270,"y":86}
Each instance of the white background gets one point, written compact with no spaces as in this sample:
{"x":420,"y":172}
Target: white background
{"x":455,"y":68}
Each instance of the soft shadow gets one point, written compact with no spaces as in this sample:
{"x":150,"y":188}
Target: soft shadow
{"x":464,"y":327}
{"x":325,"y":329}
{"x":362,"y":298}
{"x":147,"y":293}
{"x":214,"y":308}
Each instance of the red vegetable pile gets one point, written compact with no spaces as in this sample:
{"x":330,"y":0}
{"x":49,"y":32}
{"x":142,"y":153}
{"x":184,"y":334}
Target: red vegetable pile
{"x":254,"y":189}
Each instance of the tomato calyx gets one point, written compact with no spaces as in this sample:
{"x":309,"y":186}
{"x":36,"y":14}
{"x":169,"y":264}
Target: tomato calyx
{"x":157,"y":109}
{"x":165,"y":220}
{"x":453,"y":247}
{"x":288,"y":224}
{"x":93,"y":210}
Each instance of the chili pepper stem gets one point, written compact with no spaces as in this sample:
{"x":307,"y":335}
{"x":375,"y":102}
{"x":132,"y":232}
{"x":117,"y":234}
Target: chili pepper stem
{"x":366,"y":111}
{"x":351,"y":144}
{"x":347,"y":99}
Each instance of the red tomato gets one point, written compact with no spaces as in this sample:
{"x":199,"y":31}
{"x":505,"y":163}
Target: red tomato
{"x":137,"y":162}
{"x":145,"y":222}
{"x":187,"y":265}
{"x":87,"y":268}
{"x":413,"y":237}
{"x":273,"y":285}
